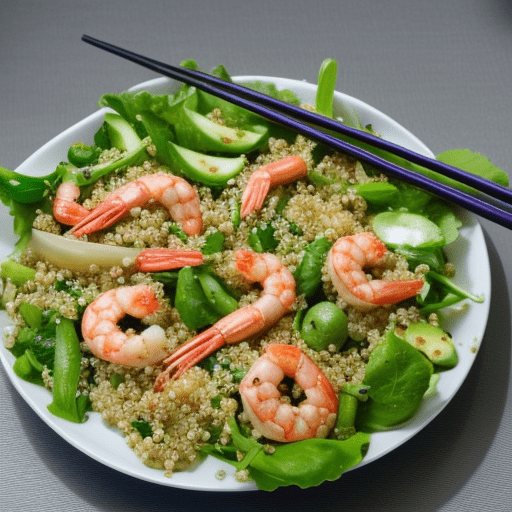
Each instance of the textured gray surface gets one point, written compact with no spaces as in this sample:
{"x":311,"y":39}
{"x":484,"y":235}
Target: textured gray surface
{"x":442,"y":69}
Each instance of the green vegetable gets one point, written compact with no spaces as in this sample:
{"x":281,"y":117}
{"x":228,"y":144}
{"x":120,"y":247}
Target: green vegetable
{"x":324,"y":324}
{"x":304,"y":463}
{"x":202,"y":298}
{"x":262,"y":239}
{"x":206,"y":169}
{"x":32,"y":315}
{"x":214,"y":243}
{"x":326,"y":86}
{"x":199,"y":133}
{"x":475,"y":163}
{"x":35,"y":343}
{"x":308,"y":275}
{"x":116,"y":379}
{"x":380,"y":193}
{"x":101,"y":137}
{"x":143,"y":428}
{"x":234,"y":207}
{"x":18,"y":274}
{"x":28,"y":368}
{"x":432,"y":341}
{"x":121,"y":134}
{"x":66,"y":374}
{"x":404,"y":229}
{"x":80,"y":154}
{"x":347,"y":409}
{"x":440,"y":292}
{"x":25,"y":189}
{"x":397,"y":376}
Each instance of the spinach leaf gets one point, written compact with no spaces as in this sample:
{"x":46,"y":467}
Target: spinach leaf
{"x":143,"y":428}
{"x":261,"y":239}
{"x":38,"y":336}
{"x":397,"y":377}
{"x":304,"y":463}
{"x":214,"y":243}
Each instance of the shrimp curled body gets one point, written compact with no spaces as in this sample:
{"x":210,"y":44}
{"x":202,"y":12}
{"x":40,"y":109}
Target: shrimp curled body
{"x":275,"y":301}
{"x":276,"y":418}
{"x":108,"y":342}
{"x":345,"y":262}
{"x":66,"y":210}
{"x":174,"y":193}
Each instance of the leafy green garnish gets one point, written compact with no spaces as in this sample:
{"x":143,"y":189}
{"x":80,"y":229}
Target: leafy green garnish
{"x":304,"y":463}
{"x":397,"y":377}
{"x":261,"y":238}
{"x":214,"y":243}
{"x":143,"y":428}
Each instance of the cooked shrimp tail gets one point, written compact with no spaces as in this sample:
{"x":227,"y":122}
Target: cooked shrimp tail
{"x":345,"y":263}
{"x":107,"y":341}
{"x":276,"y":418}
{"x":174,"y":193}
{"x":286,"y":170}
{"x":276,"y":300}
{"x":66,"y":210}
{"x":155,"y":260}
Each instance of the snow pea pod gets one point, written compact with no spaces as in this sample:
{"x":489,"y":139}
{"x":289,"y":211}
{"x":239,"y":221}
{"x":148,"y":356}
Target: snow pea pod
{"x":66,"y":374}
{"x":308,"y":275}
{"x":326,"y":85}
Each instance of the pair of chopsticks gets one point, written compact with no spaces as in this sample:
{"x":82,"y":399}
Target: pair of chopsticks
{"x":307,"y":123}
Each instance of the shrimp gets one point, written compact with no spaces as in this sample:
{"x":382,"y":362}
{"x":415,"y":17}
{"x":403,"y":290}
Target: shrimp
{"x":108,"y":342}
{"x":276,"y":300}
{"x":65,"y":208}
{"x":345,"y":262}
{"x":282,"y":171}
{"x":276,"y":418}
{"x":154,"y":260}
{"x":176,"y":194}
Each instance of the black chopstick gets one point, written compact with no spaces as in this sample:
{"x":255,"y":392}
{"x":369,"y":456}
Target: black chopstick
{"x":247,"y":98}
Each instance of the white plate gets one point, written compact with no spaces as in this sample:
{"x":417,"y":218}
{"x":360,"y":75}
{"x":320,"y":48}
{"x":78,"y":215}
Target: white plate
{"x":107,"y":446}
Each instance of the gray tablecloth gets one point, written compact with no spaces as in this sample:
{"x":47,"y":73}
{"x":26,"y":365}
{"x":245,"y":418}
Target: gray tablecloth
{"x":441,"y":68}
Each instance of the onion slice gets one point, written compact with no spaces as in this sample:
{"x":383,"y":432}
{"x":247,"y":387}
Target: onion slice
{"x":79,"y":255}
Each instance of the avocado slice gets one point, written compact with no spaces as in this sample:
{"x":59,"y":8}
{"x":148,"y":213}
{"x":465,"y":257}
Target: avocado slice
{"x":436,"y":344}
{"x":121,"y":133}
{"x":196,"y":131}
{"x":206,"y":169}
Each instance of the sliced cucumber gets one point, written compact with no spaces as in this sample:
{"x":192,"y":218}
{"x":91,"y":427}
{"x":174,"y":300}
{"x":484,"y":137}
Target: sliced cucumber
{"x":121,"y":133}
{"x":198,"y":132}
{"x":402,"y":229}
{"x":206,"y":169}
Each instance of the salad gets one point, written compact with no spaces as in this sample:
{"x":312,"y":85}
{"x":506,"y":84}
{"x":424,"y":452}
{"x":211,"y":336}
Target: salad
{"x":147,"y":287}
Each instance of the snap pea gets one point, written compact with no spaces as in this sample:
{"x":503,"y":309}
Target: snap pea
{"x":308,"y":274}
{"x":326,"y":85}
{"x":66,"y":374}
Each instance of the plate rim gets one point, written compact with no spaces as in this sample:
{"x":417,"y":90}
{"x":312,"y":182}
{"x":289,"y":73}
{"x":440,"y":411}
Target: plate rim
{"x":62,"y":428}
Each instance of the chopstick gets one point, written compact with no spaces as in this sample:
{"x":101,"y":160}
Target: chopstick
{"x":304,"y":122}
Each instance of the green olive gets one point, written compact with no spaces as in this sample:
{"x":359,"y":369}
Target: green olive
{"x":325,"y":324}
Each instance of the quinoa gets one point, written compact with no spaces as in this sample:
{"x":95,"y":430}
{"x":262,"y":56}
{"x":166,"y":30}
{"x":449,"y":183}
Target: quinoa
{"x":195,"y":409}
